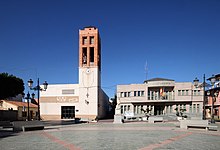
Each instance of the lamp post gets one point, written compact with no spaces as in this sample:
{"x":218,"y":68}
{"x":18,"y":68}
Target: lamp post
{"x":38,"y":89}
{"x":213,"y":92}
{"x":196,"y":83}
{"x":28,"y":98}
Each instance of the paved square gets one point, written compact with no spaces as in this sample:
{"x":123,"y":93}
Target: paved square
{"x":108,"y":136}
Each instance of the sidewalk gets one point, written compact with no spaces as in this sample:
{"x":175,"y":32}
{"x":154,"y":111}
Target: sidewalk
{"x":108,"y":136}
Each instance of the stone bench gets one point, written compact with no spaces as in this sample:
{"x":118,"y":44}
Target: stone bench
{"x":32,"y":127}
{"x":213,"y":127}
{"x":27,"y":125}
{"x":155,"y":119}
{"x":85,"y":120}
{"x":6,"y":124}
{"x":185,"y":124}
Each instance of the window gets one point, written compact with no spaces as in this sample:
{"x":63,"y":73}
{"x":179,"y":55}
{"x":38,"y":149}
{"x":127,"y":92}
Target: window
{"x":149,"y":95}
{"x":84,"y":40}
{"x":167,"y":109}
{"x":194,"y":92}
{"x":190,"y":108}
{"x":171,"y":95}
{"x":156,"y":94}
{"x":179,"y":92}
{"x":84,"y":59}
{"x":194,"y":108}
{"x":142,"y":93}
{"x":141,"y":109}
{"x":139,"y":93}
{"x":125,"y":94}
{"x":152,"y":95}
{"x":177,"y":107}
{"x":198,"y":108}
{"x":184,"y":106}
{"x":68,"y":91}
{"x":91,"y":39}
{"x":183,"y":92}
{"x":187,"y":92}
{"x":122,"y":109}
{"x":129,"y":107}
{"x":91,"y":54}
{"x":135,"y":93}
{"x":129,"y":94}
{"x":125,"y":108}
{"x":121,"y":94}
{"x":135,"y":109}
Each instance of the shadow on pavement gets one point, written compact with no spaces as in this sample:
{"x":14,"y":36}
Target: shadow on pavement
{"x":58,"y":122}
{"x":6,"y":133}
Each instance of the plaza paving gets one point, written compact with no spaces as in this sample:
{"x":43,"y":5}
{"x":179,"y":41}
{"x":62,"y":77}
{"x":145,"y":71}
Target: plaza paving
{"x":109,"y":136}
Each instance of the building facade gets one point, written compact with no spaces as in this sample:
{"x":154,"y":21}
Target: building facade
{"x":213,"y":103}
{"x":86,"y":99}
{"x":161,"y":97}
{"x":21,"y":109}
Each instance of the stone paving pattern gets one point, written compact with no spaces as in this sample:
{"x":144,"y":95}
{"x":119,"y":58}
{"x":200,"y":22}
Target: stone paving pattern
{"x":109,"y":136}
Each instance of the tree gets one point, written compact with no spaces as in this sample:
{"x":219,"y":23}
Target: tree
{"x":112,"y":103}
{"x":10,"y":86}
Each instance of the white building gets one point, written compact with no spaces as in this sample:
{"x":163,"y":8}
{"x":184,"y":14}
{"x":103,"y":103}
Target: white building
{"x":86,"y":99}
{"x":161,"y":97}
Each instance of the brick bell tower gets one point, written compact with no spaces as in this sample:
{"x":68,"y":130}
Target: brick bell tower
{"x":89,"y":71}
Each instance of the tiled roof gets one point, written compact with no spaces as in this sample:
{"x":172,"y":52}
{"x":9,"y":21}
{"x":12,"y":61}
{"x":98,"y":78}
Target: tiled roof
{"x":21,"y":104}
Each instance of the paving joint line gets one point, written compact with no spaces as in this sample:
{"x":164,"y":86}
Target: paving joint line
{"x":60,"y":142}
{"x":165,"y":142}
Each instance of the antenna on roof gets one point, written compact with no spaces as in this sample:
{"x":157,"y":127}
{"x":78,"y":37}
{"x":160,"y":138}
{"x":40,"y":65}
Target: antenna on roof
{"x":146,"y":69}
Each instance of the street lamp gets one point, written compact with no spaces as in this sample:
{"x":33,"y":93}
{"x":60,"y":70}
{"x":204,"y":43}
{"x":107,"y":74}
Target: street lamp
{"x":196,"y":83}
{"x":38,"y":89}
{"x":213,"y":92}
{"x":28,"y":98}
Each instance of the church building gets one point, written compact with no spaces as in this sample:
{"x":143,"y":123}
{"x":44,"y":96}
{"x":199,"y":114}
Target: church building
{"x":86,"y":99}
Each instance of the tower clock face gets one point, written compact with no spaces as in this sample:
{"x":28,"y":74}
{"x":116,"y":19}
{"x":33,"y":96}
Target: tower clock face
{"x":88,"y":71}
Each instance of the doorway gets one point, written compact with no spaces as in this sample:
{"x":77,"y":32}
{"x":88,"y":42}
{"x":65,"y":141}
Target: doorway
{"x":158,"y":110}
{"x":67,"y":112}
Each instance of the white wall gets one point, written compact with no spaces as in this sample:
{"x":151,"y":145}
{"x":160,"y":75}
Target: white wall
{"x":88,"y":90}
{"x":56,"y":90}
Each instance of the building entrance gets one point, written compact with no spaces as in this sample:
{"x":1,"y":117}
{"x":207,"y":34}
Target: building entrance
{"x":158,"y":110}
{"x":67,"y":112}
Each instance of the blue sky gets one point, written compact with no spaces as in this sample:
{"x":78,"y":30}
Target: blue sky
{"x":179,"y":39}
